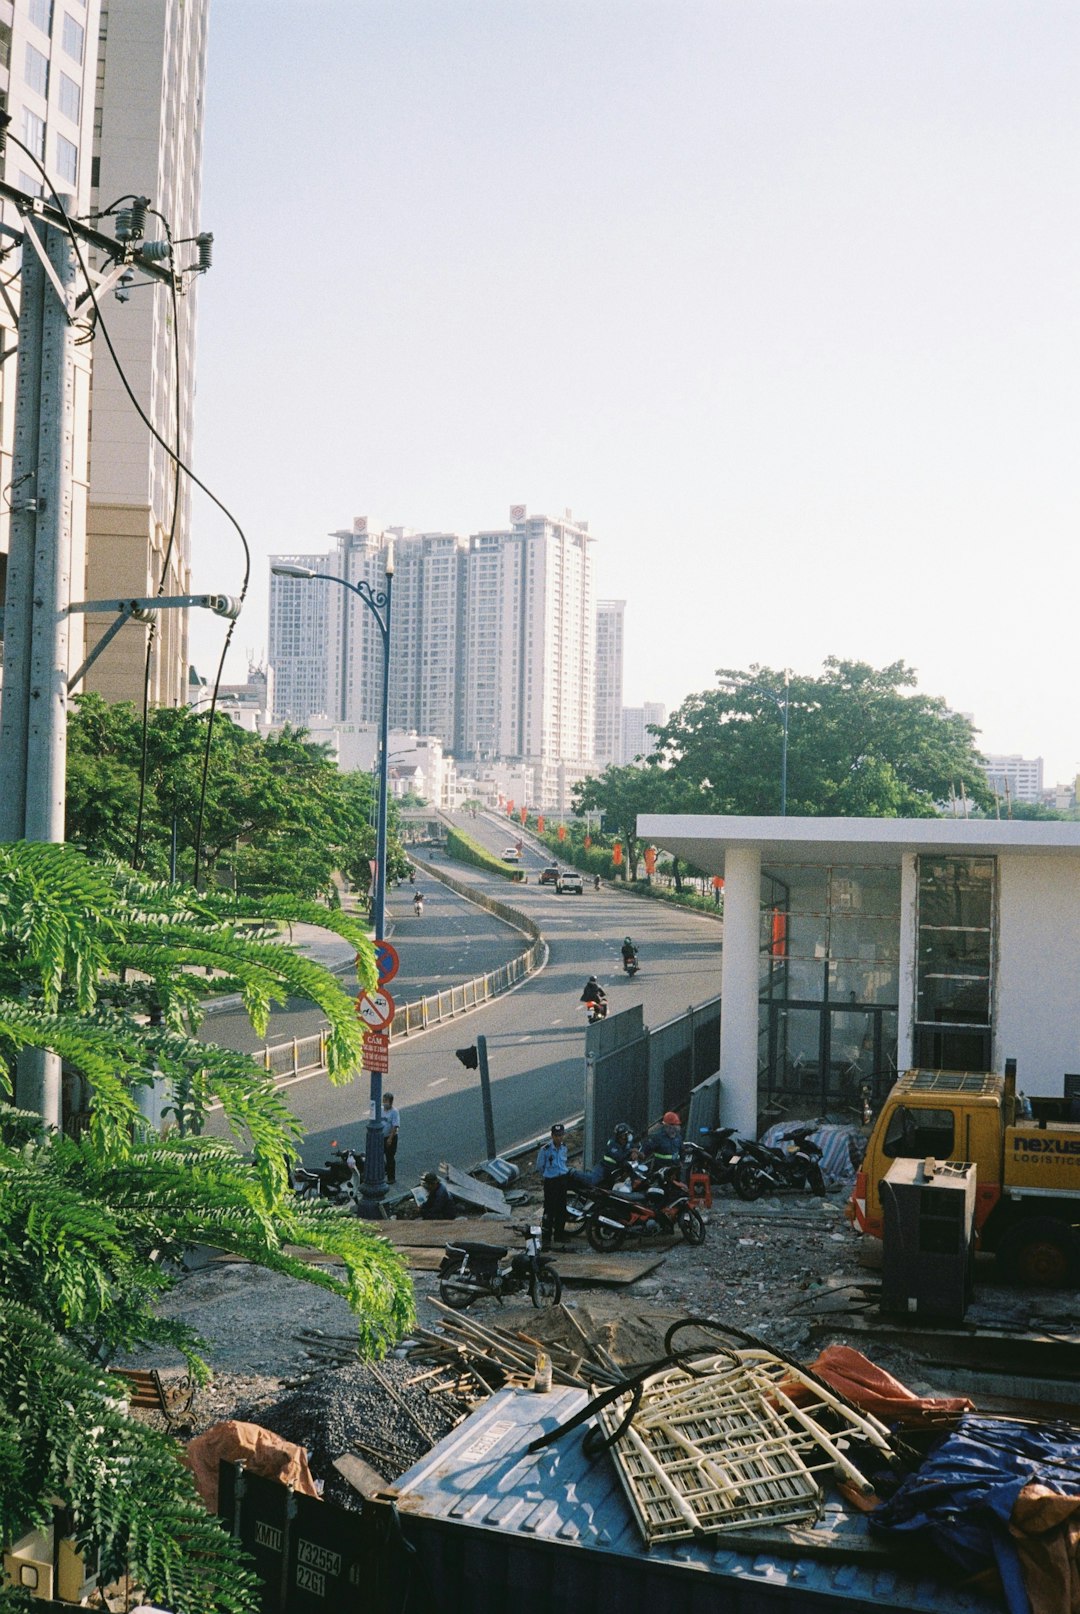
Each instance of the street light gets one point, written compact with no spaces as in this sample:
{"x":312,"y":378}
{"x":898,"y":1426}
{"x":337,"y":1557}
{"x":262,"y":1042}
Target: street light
{"x":782,"y":703}
{"x":378,"y":603}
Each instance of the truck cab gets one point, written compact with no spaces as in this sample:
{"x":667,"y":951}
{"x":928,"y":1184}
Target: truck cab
{"x":1027,"y":1199}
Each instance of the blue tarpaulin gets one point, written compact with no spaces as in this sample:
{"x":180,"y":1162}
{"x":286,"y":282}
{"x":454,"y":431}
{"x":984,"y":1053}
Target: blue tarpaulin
{"x":962,"y":1497}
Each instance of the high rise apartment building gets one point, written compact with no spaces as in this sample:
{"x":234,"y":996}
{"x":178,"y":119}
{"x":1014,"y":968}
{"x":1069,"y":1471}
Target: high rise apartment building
{"x":47,"y":78}
{"x":636,"y":739}
{"x":302,"y":623}
{"x":151,"y":72}
{"x":492,"y":644}
{"x":1015,"y":778}
{"x":609,"y":682}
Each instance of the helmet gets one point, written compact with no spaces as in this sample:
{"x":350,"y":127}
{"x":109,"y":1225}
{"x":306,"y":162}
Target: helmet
{"x":670,"y":1119}
{"x":623,"y":1129}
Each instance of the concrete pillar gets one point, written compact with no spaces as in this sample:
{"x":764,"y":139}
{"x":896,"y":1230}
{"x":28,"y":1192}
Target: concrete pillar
{"x":739,"y":988}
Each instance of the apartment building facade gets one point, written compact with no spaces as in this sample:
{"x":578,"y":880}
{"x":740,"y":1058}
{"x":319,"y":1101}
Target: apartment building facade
{"x":151,"y":74}
{"x":607,"y":743}
{"x":493,"y":642}
{"x":636,"y":739}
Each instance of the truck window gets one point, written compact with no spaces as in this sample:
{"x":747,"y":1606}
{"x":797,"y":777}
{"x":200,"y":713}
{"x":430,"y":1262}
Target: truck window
{"x":912,"y":1134}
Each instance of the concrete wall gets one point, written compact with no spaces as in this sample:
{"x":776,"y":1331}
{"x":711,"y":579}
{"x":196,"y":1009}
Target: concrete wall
{"x":1037,"y":1018}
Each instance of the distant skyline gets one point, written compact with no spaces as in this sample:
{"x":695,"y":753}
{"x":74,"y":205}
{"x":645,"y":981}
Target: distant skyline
{"x":780,"y":297}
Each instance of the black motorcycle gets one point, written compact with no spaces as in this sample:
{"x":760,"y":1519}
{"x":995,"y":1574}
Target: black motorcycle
{"x":630,"y":964}
{"x":718,"y":1152}
{"x":470,"y":1270}
{"x":767,"y":1170}
{"x":339,"y":1182}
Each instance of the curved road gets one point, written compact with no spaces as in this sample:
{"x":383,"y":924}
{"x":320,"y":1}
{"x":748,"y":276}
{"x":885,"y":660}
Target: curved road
{"x":535,"y":1035}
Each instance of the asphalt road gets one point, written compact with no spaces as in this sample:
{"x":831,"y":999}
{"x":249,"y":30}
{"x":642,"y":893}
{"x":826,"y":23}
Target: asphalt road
{"x":536,"y":1034}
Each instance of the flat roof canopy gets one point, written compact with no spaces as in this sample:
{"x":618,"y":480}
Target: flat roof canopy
{"x":703,"y":839}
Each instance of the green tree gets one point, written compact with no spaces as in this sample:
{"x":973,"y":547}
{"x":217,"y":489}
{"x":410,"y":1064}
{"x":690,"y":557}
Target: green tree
{"x":861,"y":743}
{"x":109,"y":970}
{"x":620,"y":794}
{"x":279,"y":814}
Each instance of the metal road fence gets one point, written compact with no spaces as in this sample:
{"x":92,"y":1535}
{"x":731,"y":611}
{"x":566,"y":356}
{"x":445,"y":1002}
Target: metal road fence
{"x":634,"y":1074}
{"x":306,"y":1056}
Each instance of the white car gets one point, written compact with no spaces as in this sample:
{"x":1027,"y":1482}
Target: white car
{"x":511,"y":855}
{"x":570,"y":881}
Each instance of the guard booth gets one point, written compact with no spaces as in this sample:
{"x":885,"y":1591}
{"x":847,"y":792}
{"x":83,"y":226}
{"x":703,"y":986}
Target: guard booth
{"x":928,"y":1238}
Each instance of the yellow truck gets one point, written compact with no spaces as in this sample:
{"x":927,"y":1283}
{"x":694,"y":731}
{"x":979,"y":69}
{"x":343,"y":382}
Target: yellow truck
{"x":1027,"y":1205}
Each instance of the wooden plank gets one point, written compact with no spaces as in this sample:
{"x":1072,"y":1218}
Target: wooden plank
{"x":604,"y":1271}
{"x":360,"y":1475}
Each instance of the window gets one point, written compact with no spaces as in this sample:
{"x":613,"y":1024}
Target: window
{"x":40,"y":12}
{"x":33,"y":132}
{"x":36,"y":71}
{"x":70,"y":98}
{"x":67,"y":159}
{"x":914,"y":1134}
{"x":72,"y":37}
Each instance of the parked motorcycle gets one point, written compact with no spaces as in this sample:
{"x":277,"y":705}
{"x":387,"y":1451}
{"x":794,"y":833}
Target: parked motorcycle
{"x":340,"y":1181}
{"x":718,"y":1152}
{"x":470,"y":1270}
{"x":659,"y":1204}
{"x":795,"y":1165}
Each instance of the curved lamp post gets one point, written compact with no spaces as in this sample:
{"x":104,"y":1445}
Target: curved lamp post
{"x":782,"y":703}
{"x":378,"y":603}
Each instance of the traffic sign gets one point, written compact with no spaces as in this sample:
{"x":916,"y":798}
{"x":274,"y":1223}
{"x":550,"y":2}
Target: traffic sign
{"x":386,"y":961}
{"x":375,"y":1009}
{"x":376,"y":1054}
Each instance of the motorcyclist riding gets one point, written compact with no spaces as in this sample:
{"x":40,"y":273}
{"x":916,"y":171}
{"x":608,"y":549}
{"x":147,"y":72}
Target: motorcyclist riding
{"x":629,"y":953}
{"x":595,"y":996}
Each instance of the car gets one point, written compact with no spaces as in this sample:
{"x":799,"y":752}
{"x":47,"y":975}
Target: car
{"x":511,"y":855}
{"x":550,"y":875}
{"x":570,"y":881}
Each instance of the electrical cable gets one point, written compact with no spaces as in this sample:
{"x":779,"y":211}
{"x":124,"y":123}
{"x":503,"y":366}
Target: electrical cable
{"x":181,"y":465}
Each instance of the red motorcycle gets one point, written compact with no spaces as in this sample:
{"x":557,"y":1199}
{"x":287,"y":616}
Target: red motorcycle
{"x":659,"y":1204}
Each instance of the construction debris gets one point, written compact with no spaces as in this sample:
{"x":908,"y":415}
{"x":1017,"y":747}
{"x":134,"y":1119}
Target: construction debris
{"x":725,"y":1446}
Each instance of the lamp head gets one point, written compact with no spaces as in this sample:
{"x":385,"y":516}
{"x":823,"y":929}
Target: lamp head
{"x":285,"y":570}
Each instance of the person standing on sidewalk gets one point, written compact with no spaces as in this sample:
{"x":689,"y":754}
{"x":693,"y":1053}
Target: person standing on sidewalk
{"x":391,"y":1121}
{"x":554,"y":1170}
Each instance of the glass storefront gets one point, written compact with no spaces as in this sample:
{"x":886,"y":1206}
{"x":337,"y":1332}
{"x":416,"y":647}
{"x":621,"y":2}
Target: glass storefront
{"x":829,"y":949}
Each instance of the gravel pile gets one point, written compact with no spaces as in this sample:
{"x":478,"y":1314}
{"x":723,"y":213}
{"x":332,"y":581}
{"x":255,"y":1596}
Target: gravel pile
{"x":348,"y":1409}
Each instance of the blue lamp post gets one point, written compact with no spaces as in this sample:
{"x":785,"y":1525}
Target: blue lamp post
{"x":378,"y":603}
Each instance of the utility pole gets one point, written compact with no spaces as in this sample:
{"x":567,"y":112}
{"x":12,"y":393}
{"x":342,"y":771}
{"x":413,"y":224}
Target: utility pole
{"x":36,"y":616}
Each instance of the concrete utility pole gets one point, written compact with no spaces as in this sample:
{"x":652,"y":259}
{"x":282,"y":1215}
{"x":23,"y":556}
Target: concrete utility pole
{"x":34,"y":703}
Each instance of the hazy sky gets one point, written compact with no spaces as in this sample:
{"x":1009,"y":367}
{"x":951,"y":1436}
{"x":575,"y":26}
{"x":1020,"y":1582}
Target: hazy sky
{"x":781,"y":296}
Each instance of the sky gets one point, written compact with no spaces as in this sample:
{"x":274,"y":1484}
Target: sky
{"x":780,"y":296}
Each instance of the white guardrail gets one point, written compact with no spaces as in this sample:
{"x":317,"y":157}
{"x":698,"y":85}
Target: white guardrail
{"x":306,"y":1056}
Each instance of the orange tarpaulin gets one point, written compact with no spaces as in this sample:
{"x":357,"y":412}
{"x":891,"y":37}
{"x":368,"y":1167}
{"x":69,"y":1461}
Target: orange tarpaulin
{"x":261,"y":1452}
{"x":1045,"y":1526}
{"x":873,"y":1390}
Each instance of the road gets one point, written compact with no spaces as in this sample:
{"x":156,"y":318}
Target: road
{"x":535,"y":1035}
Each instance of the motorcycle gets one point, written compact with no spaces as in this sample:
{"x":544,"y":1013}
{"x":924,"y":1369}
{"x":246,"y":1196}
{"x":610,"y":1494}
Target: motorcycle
{"x":596,"y":1010}
{"x":630,"y":964}
{"x":418,"y":905}
{"x":655,"y":1205}
{"x":719,"y":1153}
{"x":470,"y":1270}
{"x":340,"y":1181}
{"x":795,"y":1166}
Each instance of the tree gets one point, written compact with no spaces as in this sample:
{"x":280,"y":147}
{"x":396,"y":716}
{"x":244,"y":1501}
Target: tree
{"x":108,"y":970}
{"x":620,"y":794}
{"x":279,"y":815}
{"x":859,"y":745}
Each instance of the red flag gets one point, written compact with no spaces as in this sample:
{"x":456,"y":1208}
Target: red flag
{"x":779,"y":933}
{"x":524,"y":814}
{"x":650,"y":860}
{"x":562,"y":833}
{"x":616,"y":853}
{"x":540,"y":824}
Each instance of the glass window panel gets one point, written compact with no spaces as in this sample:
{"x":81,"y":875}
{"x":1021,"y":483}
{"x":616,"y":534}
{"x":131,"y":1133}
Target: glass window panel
{"x":37,"y":70}
{"x":859,"y":982}
{"x":954,"y":951}
{"x":807,"y":936}
{"x":67,"y":159}
{"x":70,"y":98}
{"x":34,"y":132}
{"x":956,"y":891}
{"x":863,"y":890}
{"x":855,"y":936}
{"x":40,"y":14}
{"x":913,"y":1134}
{"x":806,"y":979}
{"x":808,"y":888}
{"x":72,"y":36}
{"x":965,"y":999}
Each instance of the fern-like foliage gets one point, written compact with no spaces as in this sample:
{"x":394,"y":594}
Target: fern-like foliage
{"x":109,"y":970}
